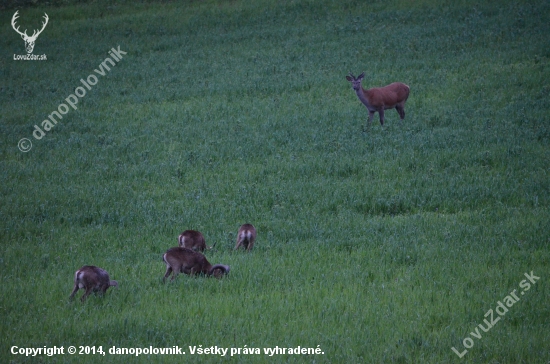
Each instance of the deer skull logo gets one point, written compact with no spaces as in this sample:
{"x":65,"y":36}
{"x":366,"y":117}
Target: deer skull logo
{"x":29,"y":41}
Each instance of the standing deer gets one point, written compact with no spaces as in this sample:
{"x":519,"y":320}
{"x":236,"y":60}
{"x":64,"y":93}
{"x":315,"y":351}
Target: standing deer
{"x":246,"y":236}
{"x":193,"y":239}
{"x":29,"y":41}
{"x":92,"y":279}
{"x":381,"y":98}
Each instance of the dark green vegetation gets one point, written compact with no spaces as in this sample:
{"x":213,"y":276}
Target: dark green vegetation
{"x":387,"y":246}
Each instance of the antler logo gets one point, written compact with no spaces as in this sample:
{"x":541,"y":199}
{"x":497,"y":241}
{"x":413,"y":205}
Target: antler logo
{"x":29,"y":41}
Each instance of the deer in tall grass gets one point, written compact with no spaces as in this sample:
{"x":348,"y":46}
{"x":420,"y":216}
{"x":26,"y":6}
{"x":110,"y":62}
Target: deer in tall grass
{"x":378,"y":99}
{"x":92,"y":279}
{"x":183,"y":260}
{"x":194,"y":240}
{"x":246,"y":236}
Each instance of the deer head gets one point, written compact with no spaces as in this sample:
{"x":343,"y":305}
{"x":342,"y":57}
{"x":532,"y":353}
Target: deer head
{"x":29,"y":41}
{"x":355,"y":82}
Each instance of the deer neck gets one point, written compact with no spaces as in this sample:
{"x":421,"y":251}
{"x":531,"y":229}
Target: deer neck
{"x":362,"y":95}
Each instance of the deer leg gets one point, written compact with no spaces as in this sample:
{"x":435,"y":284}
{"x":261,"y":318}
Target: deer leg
{"x":401,"y":110}
{"x":75,"y":289}
{"x":381,"y":113}
{"x":369,"y":120}
{"x":176,"y":270}
{"x":168,"y":271}
{"x":371,"y":116}
{"x":86,"y":294}
{"x":104,"y":288}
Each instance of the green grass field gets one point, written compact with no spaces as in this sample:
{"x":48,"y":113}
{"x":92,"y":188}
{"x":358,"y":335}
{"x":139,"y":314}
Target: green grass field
{"x":384,"y":244}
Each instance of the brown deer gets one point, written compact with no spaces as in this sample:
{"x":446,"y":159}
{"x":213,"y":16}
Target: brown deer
{"x":190,"y":262}
{"x":246,"y":236}
{"x":92,"y":279}
{"x":194,"y":240}
{"x":381,"y":98}
{"x":29,"y":41}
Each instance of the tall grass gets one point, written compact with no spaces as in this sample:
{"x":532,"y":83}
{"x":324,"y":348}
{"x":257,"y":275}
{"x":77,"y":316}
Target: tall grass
{"x":381,"y":245}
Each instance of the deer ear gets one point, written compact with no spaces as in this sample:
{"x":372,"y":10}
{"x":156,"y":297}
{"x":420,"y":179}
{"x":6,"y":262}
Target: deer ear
{"x":361,"y":76}
{"x":349,"y":78}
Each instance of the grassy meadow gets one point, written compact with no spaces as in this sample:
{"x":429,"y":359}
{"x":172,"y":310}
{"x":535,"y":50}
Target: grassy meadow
{"x":375,"y":244}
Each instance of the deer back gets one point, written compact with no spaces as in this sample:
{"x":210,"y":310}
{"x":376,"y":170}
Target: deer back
{"x":388,"y":96}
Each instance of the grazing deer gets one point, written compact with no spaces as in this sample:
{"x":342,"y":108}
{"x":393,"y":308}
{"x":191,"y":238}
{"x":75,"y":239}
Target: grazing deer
{"x":91,"y":278}
{"x":381,"y":98}
{"x":246,"y":237}
{"x":29,"y":41}
{"x":194,"y":240}
{"x":190,"y":262}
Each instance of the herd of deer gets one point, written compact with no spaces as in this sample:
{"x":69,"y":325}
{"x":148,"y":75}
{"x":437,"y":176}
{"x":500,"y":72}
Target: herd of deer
{"x":184,"y":258}
{"x":187,"y":257}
